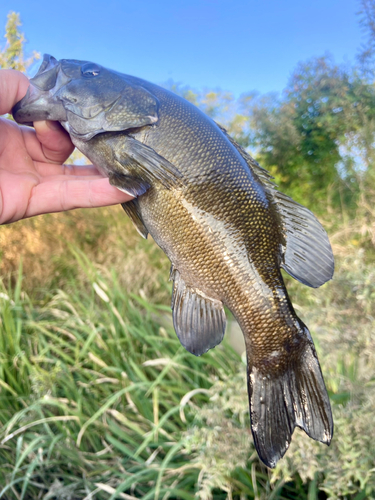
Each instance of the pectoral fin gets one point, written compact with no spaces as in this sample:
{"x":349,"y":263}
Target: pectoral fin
{"x":135,"y":186}
{"x":132,"y":209}
{"x":138,"y":161}
{"x":199,"y":321}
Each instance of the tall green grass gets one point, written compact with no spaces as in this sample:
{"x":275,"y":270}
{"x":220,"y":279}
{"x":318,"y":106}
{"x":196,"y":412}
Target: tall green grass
{"x":98,"y":400}
{"x":91,"y":390}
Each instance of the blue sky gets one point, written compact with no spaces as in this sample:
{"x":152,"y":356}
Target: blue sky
{"x":234,"y":45}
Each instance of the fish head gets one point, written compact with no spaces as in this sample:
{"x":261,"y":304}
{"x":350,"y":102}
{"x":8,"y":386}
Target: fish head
{"x":86,"y":98}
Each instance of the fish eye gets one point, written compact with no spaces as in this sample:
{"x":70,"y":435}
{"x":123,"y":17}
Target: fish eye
{"x":90,"y":70}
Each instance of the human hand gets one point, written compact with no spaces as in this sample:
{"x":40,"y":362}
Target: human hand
{"x":33,"y":177}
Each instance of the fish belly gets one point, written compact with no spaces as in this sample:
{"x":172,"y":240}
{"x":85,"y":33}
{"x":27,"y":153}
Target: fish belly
{"x":199,"y":246}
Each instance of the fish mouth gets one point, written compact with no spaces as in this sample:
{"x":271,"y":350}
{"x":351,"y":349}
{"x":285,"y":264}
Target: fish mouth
{"x":33,"y":107}
{"x":46,"y":77}
{"x":22,"y":110}
{"x":39,"y":103}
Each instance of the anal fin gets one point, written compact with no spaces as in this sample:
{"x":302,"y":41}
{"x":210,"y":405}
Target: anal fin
{"x":198,"y":320}
{"x":131,"y":208}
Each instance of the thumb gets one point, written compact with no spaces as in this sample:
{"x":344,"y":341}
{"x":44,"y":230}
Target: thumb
{"x":13,"y":86}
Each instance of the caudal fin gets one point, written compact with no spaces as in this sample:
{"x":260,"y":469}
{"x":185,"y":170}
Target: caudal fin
{"x":297,"y":397}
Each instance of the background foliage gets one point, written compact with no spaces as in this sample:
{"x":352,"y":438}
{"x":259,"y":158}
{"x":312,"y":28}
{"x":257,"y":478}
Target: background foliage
{"x":98,"y":399}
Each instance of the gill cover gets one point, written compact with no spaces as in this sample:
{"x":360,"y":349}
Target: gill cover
{"x":86,"y":98}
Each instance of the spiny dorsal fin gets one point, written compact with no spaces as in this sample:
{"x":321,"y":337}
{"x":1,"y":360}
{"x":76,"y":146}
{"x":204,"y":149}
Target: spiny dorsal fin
{"x":261,"y":172}
{"x":199,"y":321}
{"x":307,"y":255}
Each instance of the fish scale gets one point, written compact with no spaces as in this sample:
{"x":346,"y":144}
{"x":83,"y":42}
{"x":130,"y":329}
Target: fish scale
{"x":224,"y":226}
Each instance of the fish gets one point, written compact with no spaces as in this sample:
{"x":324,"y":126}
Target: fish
{"x":222,"y":222}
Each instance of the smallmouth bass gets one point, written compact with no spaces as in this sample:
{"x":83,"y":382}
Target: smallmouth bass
{"x":221,"y":221}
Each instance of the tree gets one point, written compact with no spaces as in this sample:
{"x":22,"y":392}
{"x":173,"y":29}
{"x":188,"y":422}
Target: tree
{"x":366,"y":56}
{"x":12,"y":54}
{"x":309,"y":138}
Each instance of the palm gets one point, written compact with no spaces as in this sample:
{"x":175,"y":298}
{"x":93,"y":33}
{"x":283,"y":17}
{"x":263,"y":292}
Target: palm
{"x":33,"y":178}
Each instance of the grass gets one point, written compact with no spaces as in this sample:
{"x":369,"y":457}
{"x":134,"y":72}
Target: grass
{"x":106,"y":236}
{"x":98,"y":400}
{"x":90,"y":394}
{"x":341,"y":319}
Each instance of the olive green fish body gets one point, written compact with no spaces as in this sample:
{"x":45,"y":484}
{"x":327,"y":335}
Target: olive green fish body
{"x":223,"y":212}
{"x":219,"y":219}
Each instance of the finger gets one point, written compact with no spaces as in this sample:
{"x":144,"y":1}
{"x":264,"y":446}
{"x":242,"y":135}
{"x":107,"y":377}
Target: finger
{"x":15,"y":190}
{"x":12,"y":147}
{"x":55,"y":144}
{"x":13,"y":86}
{"x":52,"y":169}
{"x":62,"y":178}
{"x":43,"y":142}
{"x":67,"y":194}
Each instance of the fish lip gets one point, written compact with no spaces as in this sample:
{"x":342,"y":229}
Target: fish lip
{"x":32,"y":95}
{"x":40,"y":91}
{"x":34,"y":104}
{"x":16,"y":114}
{"x":47,"y":74}
{"x":79,"y":111}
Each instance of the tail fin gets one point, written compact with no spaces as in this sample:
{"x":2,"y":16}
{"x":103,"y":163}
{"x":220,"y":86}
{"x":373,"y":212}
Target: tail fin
{"x":297,"y":397}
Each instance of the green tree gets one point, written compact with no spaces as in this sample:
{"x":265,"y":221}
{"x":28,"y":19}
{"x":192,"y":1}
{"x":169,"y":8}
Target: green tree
{"x":316,"y":138}
{"x":12,"y":54}
{"x":366,"y":56}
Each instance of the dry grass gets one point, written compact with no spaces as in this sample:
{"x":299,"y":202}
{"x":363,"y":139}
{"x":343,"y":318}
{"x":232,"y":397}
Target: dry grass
{"x":105,"y":235}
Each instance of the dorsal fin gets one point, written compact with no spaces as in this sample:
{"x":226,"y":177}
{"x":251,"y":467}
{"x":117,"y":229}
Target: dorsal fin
{"x":307,"y":254}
